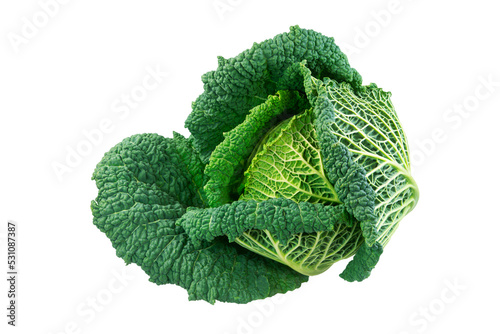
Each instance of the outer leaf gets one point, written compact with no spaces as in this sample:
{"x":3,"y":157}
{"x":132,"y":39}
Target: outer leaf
{"x":145,"y":184}
{"x":346,"y":175}
{"x":282,"y":230}
{"x":364,"y":261}
{"x":280,"y":216}
{"x":243,"y":82}
{"x":367,"y":124}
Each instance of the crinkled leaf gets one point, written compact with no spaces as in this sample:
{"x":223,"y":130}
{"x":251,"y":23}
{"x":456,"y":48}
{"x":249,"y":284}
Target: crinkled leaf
{"x":290,"y":165}
{"x":367,"y":124}
{"x":280,"y":216}
{"x":363,"y":262}
{"x":346,"y":175}
{"x":228,"y":160}
{"x":282,"y":230}
{"x":145,"y":184}
{"x":243,"y":82}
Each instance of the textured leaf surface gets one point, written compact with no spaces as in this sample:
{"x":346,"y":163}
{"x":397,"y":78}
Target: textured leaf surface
{"x":245,"y":81}
{"x":282,"y":230}
{"x":347,"y":176}
{"x":367,"y":124}
{"x":303,"y":161}
{"x":227,"y":162}
{"x":145,"y":185}
{"x":290,"y":165}
{"x":363,"y":262}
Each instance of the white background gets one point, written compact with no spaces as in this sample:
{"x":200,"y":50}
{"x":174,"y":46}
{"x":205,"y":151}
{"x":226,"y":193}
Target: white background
{"x":68,"y":75}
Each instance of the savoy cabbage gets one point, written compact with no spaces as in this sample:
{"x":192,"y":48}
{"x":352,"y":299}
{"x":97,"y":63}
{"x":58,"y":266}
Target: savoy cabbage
{"x":292,"y":165}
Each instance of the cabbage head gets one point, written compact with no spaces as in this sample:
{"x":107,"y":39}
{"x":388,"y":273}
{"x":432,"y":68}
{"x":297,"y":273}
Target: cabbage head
{"x":292,"y":165}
